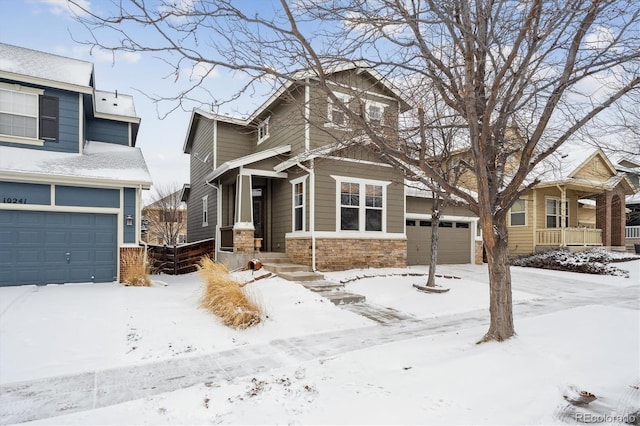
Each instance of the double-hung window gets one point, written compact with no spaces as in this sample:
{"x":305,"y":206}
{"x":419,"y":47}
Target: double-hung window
{"x":554,"y":213}
{"x":518,"y":213}
{"x":361,"y":205}
{"x":336,"y":116}
{"x":25,"y":113}
{"x":263,"y":130}
{"x":298,"y":203}
{"x":375,"y":113}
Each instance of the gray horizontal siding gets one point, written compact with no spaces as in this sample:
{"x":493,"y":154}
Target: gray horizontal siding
{"x":203,"y":147}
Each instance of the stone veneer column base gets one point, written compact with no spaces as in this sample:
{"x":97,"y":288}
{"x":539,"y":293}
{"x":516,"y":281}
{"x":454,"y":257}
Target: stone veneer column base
{"x":243,"y":242}
{"x":123,"y":265}
{"x":479,"y":246}
{"x":338,"y":254}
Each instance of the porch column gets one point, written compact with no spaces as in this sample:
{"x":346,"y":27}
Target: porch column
{"x":603,"y":217}
{"x":243,"y":230}
{"x":563,"y":216}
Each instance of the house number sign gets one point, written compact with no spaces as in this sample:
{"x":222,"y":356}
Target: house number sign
{"x":13,"y":200}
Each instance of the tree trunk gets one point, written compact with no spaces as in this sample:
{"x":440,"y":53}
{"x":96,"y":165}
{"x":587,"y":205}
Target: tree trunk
{"x":435,"y":222}
{"x":500,"y":304}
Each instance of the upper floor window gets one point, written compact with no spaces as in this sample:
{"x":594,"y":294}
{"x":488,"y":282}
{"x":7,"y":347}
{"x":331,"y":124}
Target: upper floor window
{"x":554,"y":213}
{"x":336,"y":116}
{"x":375,"y":113}
{"x":263,"y":130}
{"x":518,"y":213}
{"x":26,"y":113}
{"x":205,"y":210}
{"x":361,"y":205}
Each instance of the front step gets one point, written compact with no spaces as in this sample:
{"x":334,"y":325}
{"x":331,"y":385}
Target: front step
{"x":323,"y":286}
{"x":279,"y":268}
{"x":301,"y":276}
{"x":343,"y":297}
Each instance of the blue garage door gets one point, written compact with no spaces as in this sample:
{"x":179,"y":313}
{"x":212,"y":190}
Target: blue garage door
{"x":49,"y":247}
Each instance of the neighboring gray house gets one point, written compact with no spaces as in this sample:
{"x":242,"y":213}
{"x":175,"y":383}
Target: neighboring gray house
{"x":70,"y":175}
{"x":281,"y":179}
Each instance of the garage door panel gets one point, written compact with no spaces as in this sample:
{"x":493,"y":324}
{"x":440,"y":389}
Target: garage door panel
{"x":33,"y":250}
{"x":81,"y":237}
{"x":54,"y":237}
{"x":454,"y":243}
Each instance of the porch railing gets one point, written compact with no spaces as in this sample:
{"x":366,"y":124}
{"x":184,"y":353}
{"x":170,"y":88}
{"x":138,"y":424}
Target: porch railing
{"x":226,"y":238}
{"x":632,"y":232}
{"x":572,"y":237}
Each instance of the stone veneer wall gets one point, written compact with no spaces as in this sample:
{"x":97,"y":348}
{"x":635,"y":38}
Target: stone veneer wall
{"x":243,"y":242}
{"x":333,"y":254}
{"x":479,"y":246}
{"x":123,"y":265}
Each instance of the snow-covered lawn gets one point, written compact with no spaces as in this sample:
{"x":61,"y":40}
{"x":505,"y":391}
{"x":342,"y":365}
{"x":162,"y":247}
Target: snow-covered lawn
{"x":442,"y":378}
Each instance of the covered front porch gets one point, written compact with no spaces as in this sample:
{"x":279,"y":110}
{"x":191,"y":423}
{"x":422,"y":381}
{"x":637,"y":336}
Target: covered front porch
{"x":579,"y":213}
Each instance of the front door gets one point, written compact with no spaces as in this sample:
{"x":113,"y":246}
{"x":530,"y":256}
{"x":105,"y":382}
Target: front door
{"x":259,"y":213}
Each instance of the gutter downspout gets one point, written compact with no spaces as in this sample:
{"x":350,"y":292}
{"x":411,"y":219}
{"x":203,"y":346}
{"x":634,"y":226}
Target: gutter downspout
{"x":312,"y":209}
{"x":218,"y":218}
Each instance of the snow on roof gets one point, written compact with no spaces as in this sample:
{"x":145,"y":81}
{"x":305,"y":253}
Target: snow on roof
{"x":32,"y":63}
{"x":103,"y":161}
{"x":562,"y":163}
{"x":115,"y":103}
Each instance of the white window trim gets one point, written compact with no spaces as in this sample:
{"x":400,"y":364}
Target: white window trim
{"x":526,"y":210}
{"x":362,"y":207}
{"x":345,"y":99}
{"x":205,"y":211}
{"x":264,"y":125}
{"x":30,"y":91}
{"x":559,"y":214}
{"x":383,"y":106}
{"x":293,"y":183}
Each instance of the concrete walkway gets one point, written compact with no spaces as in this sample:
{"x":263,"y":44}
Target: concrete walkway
{"x":40,"y":399}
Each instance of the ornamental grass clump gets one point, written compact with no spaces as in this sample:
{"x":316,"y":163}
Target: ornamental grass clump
{"x":225,"y":297}
{"x":135,"y":269}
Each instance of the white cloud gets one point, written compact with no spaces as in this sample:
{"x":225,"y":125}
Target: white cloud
{"x":64,"y":7}
{"x":599,"y":39}
{"x":198,"y":71}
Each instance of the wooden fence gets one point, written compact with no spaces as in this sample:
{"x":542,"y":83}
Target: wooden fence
{"x":177,"y":260}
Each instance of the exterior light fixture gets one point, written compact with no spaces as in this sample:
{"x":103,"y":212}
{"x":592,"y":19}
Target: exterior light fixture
{"x":129,"y":220}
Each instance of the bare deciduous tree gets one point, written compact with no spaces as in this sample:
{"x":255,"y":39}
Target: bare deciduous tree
{"x":165,"y":216}
{"x":524,"y":76}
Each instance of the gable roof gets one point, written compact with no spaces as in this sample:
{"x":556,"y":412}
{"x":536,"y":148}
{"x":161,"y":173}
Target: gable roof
{"x":296,"y":78}
{"x":115,"y":104}
{"x":247,"y":159}
{"x":563,"y":166}
{"x":32,"y":66}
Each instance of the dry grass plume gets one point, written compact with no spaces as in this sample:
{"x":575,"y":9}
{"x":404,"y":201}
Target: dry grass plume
{"x":136,"y":270}
{"x":224,"y":296}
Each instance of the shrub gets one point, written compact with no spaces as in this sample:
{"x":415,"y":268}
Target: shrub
{"x":135,"y":269}
{"x":224,"y":296}
{"x":592,"y":261}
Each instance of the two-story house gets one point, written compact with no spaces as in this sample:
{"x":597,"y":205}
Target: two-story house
{"x":71,"y":176}
{"x":282,"y":180}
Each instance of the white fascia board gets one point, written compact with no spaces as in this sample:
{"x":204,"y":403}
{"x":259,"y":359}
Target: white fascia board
{"x":309,"y":155}
{"x":47,"y":83}
{"x":115,"y":117}
{"x":210,"y":116}
{"x":247,"y":159}
{"x":73,"y":180}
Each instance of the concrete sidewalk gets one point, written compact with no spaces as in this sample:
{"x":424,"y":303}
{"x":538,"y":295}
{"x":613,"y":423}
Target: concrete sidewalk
{"x":49,"y":397}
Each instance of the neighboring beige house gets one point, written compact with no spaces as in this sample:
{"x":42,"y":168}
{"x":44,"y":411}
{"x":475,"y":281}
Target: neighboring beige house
{"x":580,"y":202}
{"x":165,"y":221}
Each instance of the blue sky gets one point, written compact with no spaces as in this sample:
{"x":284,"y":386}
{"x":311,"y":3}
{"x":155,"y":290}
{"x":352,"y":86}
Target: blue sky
{"x":47,"y":25}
